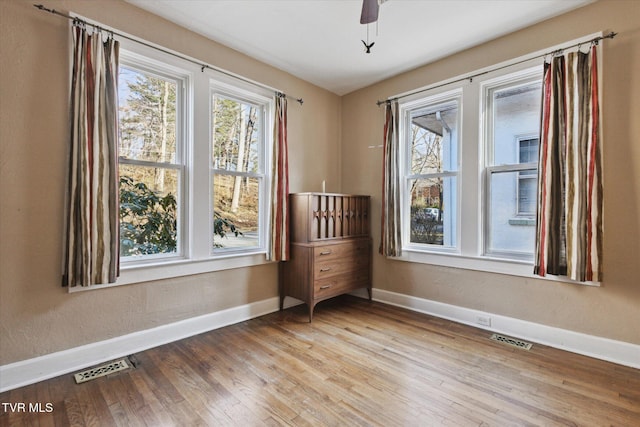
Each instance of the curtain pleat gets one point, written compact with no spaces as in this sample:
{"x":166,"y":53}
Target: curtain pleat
{"x":92,"y":229}
{"x":390,"y":239}
{"x":569,"y":218}
{"x":279,"y":248}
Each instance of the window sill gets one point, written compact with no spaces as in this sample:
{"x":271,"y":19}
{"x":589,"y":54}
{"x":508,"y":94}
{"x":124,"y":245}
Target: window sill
{"x":139,"y":273}
{"x":522,"y":221}
{"x":485,"y":264}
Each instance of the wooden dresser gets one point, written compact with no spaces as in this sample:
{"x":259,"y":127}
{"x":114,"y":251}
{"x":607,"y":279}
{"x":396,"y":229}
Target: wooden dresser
{"x":330,"y":247}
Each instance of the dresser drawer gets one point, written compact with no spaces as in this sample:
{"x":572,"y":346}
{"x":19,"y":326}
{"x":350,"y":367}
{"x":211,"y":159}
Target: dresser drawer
{"x":334,"y":267}
{"x":339,"y":284}
{"x":341,"y":250}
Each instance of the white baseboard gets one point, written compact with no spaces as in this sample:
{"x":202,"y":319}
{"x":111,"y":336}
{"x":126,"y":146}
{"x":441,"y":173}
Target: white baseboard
{"x":30,"y":371}
{"x":40,"y":368}
{"x":620,"y":352}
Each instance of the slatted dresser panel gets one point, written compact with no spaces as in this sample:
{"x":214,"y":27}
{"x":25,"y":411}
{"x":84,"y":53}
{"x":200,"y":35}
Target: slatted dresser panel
{"x":330,"y":247}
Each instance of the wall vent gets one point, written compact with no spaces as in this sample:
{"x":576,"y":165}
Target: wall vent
{"x":512,"y":341}
{"x":101,"y":371}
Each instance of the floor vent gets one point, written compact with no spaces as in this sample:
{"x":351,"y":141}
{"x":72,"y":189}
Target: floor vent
{"x":101,"y":371}
{"x":512,"y":341}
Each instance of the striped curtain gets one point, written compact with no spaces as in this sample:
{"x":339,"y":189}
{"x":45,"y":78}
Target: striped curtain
{"x":92,"y":230}
{"x":569,"y":219}
{"x":390,"y":239}
{"x":279,"y":248}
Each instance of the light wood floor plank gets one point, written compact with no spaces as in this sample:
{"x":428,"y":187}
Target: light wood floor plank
{"x":359,"y":363}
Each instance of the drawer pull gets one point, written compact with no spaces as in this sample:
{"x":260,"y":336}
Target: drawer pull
{"x":325,"y":253}
{"x":322,"y":270}
{"x":325,"y":287}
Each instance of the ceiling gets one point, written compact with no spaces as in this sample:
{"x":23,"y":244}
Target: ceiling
{"x":320,"y":41}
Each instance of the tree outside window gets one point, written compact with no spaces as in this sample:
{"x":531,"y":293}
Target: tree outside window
{"x":432,"y":173}
{"x":150,"y":168}
{"x":237,"y":171}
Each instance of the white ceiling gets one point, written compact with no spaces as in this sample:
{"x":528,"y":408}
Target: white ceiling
{"x":320,"y":40}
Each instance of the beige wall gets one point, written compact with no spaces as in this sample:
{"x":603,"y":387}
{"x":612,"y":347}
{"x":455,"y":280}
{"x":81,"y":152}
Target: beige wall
{"x":37,"y":316}
{"x":611,"y":311}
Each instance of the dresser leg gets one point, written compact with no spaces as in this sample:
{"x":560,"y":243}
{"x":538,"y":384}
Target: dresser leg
{"x":310,"y":312}
{"x":369,"y":292}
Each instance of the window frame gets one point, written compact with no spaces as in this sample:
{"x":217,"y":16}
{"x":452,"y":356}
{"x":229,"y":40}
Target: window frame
{"x":221,"y":86}
{"x":489,"y":167}
{"x":195,"y":256}
{"x":470,"y":254}
{"x":406,"y":176}
{"x":183,"y":78}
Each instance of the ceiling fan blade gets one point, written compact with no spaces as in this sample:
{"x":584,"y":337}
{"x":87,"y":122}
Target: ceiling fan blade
{"x":369,"y":11}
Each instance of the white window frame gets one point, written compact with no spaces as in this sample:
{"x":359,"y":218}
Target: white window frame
{"x":486,"y":88}
{"x":195,"y":255}
{"x":470,"y":253}
{"x":182,"y":78}
{"x":405,"y":113}
{"x":220,"y":86}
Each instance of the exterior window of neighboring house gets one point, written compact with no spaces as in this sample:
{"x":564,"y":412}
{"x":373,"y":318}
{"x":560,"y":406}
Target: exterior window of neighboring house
{"x":512,"y":107}
{"x":238,"y":169}
{"x":431,"y":179}
{"x":152,"y":161}
{"x":527,"y":180}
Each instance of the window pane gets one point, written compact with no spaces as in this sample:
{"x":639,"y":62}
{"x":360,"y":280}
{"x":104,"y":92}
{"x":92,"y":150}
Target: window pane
{"x":527,"y":191}
{"x":433,"y":211}
{"x":148,"y":210}
{"x":236,"y":130}
{"x":236,"y":211}
{"x":516,"y":112}
{"x":434,"y":133}
{"x":147,"y":112}
{"x":528,"y":150}
{"x":512,"y":196}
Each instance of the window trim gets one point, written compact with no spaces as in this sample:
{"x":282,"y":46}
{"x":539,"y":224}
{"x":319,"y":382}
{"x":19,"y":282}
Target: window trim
{"x":183,"y":79}
{"x":472,"y":180}
{"x":240,"y":92}
{"x":416,"y":102}
{"x":520,"y":78}
{"x":196,"y":257}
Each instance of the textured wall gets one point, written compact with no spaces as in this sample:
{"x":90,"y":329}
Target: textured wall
{"x":611,"y":311}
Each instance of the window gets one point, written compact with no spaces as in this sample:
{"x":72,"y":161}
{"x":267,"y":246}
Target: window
{"x":469,"y":189}
{"x":237,"y":172}
{"x":194,"y":180}
{"x":469,"y":171}
{"x":512,"y":107}
{"x":152,"y":164}
{"x":431,"y":181}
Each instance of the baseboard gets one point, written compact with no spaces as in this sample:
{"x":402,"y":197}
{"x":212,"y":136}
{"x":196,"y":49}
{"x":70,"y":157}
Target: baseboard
{"x":30,"y":371}
{"x":41,"y":368}
{"x":620,"y":352}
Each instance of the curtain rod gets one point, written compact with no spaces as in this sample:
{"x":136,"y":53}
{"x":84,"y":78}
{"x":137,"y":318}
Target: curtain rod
{"x":594,"y":40}
{"x":202,"y":65}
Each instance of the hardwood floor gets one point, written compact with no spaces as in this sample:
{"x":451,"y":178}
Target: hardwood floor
{"x":359,"y":363}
